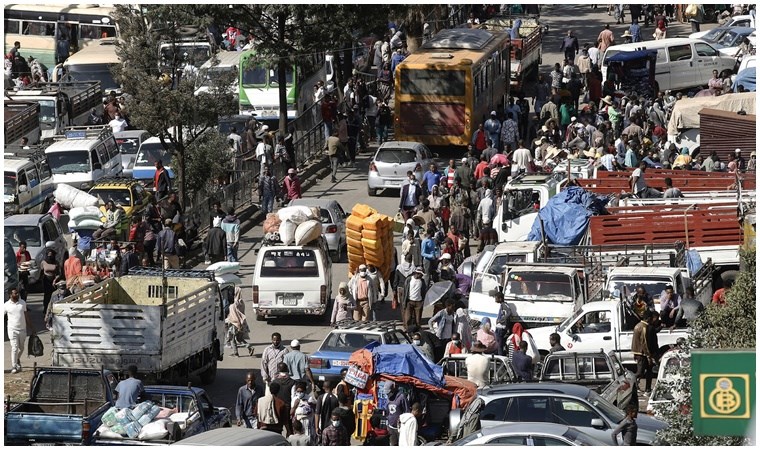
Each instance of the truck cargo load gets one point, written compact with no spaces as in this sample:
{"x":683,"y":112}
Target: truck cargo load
{"x":22,"y":119}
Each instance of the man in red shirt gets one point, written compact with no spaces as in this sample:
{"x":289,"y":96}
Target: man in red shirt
{"x":481,"y":167}
{"x":73,"y":266}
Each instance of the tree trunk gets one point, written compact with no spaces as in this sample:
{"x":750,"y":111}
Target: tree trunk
{"x":182,"y":151}
{"x":282,"y":65}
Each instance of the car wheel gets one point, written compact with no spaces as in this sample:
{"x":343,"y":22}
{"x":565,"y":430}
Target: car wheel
{"x":371,"y":192}
{"x":261,"y":318}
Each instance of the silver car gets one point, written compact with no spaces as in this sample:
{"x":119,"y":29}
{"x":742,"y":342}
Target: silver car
{"x":568,"y":404}
{"x":129,"y":142}
{"x":393,"y":160}
{"x":333,"y":219}
{"x":529,"y":434}
{"x":40,"y":232}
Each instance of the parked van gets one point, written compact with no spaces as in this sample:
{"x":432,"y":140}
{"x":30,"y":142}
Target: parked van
{"x":682,"y":63}
{"x":27,"y":183}
{"x":94,"y":62}
{"x":150,"y":151}
{"x":83,"y":155}
{"x":292,"y":279}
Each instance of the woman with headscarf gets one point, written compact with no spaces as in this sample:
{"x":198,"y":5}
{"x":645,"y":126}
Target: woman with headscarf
{"x":237,"y":333}
{"x":462,"y":323}
{"x":487,"y":337}
{"x":519,"y":334}
{"x":435,"y":198}
{"x":683,"y":160}
{"x":344,"y":305}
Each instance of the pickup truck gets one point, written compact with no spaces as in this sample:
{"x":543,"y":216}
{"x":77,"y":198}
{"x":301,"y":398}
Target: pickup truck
{"x":64,"y":407}
{"x":606,"y":325}
{"x":596,"y":370}
{"x":525,"y":52}
{"x":170,"y":327}
{"x":191,"y":401}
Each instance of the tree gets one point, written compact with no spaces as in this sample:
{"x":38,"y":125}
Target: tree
{"x":162,"y":95}
{"x":731,"y":326}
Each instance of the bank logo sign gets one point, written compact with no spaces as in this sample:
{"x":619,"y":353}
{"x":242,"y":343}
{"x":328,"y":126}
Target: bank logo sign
{"x":724,"y":396}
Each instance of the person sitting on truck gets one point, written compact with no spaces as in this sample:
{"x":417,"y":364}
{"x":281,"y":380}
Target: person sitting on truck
{"x":520,"y":334}
{"x":487,"y":337}
{"x":454,"y":346}
{"x":554,"y":341}
{"x":688,"y":310}
{"x":669,"y":303}
{"x":129,"y":260}
{"x":130,"y":391}
{"x":640,"y":302}
{"x":112,"y":227}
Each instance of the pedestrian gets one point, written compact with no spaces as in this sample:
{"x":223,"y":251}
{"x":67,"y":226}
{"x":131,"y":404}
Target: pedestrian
{"x":291,"y":186}
{"x":246,"y":402}
{"x":688,"y":310}
{"x":641,"y":353}
{"x":162,"y":184}
{"x":215,"y":243}
{"x":554,"y":342}
{"x":503,"y":319}
{"x":273,"y":355}
{"x":18,"y":326}
{"x":299,"y":438}
{"x":408,"y":426}
{"x":397,"y":405}
{"x":51,"y":273}
{"x":268,"y":191}
{"x":264,"y":152}
{"x":478,"y":365}
{"x":298,"y":364}
{"x":509,"y":131}
{"x":569,"y":45}
{"x":231,"y":227}
{"x":522,"y":363}
{"x":166,"y":243}
{"x":635,"y":31}
{"x":273,"y":413}
{"x":430,"y":253}
{"x":384,"y":122}
{"x":343,"y":307}
{"x":334,"y":148}
{"x":302,"y":409}
{"x":335,"y":434}
{"x":605,"y":39}
{"x":346,"y":413}
{"x":443,"y":322}
{"x":415,"y":290}
{"x":411,"y":195}
{"x":464,"y":329}
{"x":286,"y":383}
{"x":130,"y":391}
{"x":376,"y":278}
{"x":487,"y":337}
{"x":364,"y":291}
{"x":455,"y":345}
{"x":627,"y":426}
{"x":129,"y":260}
{"x":118,"y":124}
{"x":326,"y":403}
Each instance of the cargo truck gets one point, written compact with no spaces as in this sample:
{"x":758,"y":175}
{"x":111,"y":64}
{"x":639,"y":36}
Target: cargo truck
{"x":22,"y":119}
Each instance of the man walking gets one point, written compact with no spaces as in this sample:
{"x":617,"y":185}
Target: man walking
{"x":397,"y":405}
{"x":364,"y":292}
{"x":215,"y":244}
{"x":167,"y":246}
{"x":271,"y":357}
{"x":569,"y":45}
{"x":18,"y":326}
{"x":245,"y":405}
{"x":415,"y":289}
{"x":410,"y":196}
{"x":641,"y":354}
{"x":333,"y":148}
{"x":298,"y":364}
{"x":231,"y":227}
{"x":268,"y":191}
{"x":408,"y":426}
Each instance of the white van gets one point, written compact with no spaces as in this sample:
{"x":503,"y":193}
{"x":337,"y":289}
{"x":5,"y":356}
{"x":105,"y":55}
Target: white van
{"x":83,"y":155}
{"x":27,"y":183}
{"x":222,"y":64}
{"x":682,"y":63}
{"x":292,"y":280}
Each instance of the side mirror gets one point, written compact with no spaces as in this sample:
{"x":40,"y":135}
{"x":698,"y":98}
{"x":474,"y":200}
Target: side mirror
{"x":22,"y":188}
{"x":597,"y":423}
{"x":49,"y":244}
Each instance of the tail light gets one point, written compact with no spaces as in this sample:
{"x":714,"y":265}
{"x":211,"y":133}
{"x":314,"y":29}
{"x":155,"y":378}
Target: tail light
{"x":372,"y":167}
{"x":418,"y":168}
{"x":323,"y":295}
{"x":255,"y":295}
{"x":85,"y":431}
{"x":316,"y":363}
{"x":332,"y":229}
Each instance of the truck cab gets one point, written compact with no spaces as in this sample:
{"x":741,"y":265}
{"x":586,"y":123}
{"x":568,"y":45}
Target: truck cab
{"x":83,"y":155}
{"x":523,"y":196}
{"x":27,"y":183}
{"x":623,"y":281}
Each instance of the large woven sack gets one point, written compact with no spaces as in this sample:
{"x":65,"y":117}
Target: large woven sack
{"x":287,"y":232}
{"x":70,"y":197}
{"x":297,"y":214}
{"x":85,"y":212}
{"x":308,"y":231}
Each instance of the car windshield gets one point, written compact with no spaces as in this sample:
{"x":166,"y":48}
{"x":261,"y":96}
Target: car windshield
{"x":345,"y":341}
{"x":627,"y":287}
{"x":18,"y":233}
{"x":611,"y":411}
{"x":47,"y":111}
{"x":69,"y":162}
{"x":729,"y":39}
{"x":9,"y":183}
{"x":128,"y":146}
{"x":501,"y":262}
{"x":396,"y":155}
{"x":713,"y":34}
{"x":92,"y":72}
{"x":119,"y":196}
{"x":540,"y":284}
{"x":149,"y":153}
{"x":292,"y":263}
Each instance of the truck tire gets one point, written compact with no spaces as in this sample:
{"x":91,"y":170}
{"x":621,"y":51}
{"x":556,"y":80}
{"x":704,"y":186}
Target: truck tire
{"x":209,"y":375}
{"x":728,"y":277}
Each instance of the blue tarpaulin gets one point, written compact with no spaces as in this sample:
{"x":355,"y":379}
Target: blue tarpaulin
{"x":405,"y":359}
{"x":566,"y":216}
{"x":693,"y":261}
{"x":746,"y":78}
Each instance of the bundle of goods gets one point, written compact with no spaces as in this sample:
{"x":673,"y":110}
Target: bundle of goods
{"x":369,"y":238}
{"x":85,"y":217}
{"x":299,"y":225}
{"x":145,"y":421}
{"x":70,"y":197}
{"x":225,"y":272}
{"x":272,"y":223}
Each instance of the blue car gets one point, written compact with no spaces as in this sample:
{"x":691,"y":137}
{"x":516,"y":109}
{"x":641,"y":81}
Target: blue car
{"x":340,"y":343}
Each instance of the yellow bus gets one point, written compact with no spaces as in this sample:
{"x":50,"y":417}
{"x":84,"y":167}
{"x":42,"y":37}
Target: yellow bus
{"x":447,"y":88}
{"x":38,"y":27}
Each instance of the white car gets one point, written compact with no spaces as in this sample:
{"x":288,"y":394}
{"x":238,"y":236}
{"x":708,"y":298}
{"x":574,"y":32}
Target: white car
{"x":726,"y":40}
{"x":668,"y":378}
{"x":744,"y":20}
{"x":393,"y":160}
{"x":529,"y":434}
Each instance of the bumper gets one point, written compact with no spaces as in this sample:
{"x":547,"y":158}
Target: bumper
{"x":297,"y":311}
{"x":375,"y":181}
{"x":333,"y":241}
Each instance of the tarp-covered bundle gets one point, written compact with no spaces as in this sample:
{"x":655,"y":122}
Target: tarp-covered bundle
{"x":566,"y":216}
{"x":369,"y":239}
{"x":299,"y":225}
{"x":71,"y":197}
{"x":685,"y":113}
{"x":85,"y":218}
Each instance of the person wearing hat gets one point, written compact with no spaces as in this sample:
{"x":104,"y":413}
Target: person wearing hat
{"x":166,"y":243}
{"x":298,"y":364}
{"x":741,"y":164}
{"x":415,"y":290}
{"x":492,"y":126}
{"x":445,"y":268}
{"x":364,"y":291}
{"x":291,"y":186}
{"x":478,"y":365}
{"x":464,"y":172}
{"x":751,"y":164}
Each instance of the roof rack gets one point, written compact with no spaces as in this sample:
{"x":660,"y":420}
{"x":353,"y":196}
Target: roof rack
{"x":35,"y":153}
{"x":172,"y":273}
{"x":382,"y":325}
{"x":85,"y":132}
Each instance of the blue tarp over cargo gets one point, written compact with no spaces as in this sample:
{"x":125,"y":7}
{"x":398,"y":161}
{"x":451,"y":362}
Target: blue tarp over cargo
{"x":746,"y":78}
{"x":566,"y":216}
{"x":405,"y":359}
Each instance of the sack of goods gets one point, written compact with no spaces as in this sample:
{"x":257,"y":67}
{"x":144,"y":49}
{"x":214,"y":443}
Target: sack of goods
{"x":272,"y":223}
{"x":288,"y":231}
{"x":85,"y":218}
{"x":223,"y":267}
{"x":307,"y":232}
{"x":298,"y":214}
{"x":143,"y":422}
{"x":369,"y":238}
{"x":70,"y":197}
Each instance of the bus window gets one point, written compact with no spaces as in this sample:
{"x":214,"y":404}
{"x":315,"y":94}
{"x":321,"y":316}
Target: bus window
{"x":427,"y":82}
{"x":96,"y":31}
{"x":35,"y":28}
{"x":12,"y":26}
{"x":256,"y":76}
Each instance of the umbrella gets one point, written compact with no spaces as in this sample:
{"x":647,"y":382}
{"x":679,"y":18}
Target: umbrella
{"x":499,"y":158}
{"x":438,"y":291}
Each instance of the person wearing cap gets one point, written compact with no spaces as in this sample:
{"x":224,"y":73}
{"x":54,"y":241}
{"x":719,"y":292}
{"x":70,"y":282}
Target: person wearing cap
{"x":446,"y":269}
{"x":669,"y":303}
{"x":166,"y":242}
{"x":415,"y":290}
{"x":377,"y":279}
{"x":298,"y":364}
{"x":291,"y":186}
{"x":364,"y":291}
{"x":741,"y":164}
{"x":397,"y":405}
{"x":492,"y":126}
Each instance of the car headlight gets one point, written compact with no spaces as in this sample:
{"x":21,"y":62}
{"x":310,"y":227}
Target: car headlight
{"x":85,"y":185}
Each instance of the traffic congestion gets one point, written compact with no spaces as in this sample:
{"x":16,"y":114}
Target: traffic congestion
{"x":461,"y":225}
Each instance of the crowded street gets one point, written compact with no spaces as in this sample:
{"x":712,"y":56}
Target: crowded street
{"x":539,"y":256}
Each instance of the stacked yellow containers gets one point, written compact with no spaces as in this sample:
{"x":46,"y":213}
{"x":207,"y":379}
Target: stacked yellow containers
{"x":369,"y":237}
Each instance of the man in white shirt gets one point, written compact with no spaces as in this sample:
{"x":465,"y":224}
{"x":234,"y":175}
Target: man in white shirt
{"x":118,"y":124}
{"x":237,"y":139}
{"x":593,"y":55}
{"x":485,"y":209}
{"x":477,"y":365}
{"x":18,"y":326}
{"x":407,"y":426}
{"x":608,"y":160}
{"x":521,"y":159}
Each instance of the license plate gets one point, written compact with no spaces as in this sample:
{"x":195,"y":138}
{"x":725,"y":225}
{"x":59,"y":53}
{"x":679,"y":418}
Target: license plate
{"x":340,"y":363}
{"x":290,"y":302}
{"x":289,"y":299}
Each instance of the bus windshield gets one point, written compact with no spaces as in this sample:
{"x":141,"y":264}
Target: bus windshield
{"x":91,"y":72}
{"x":255,"y":76}
{"x":432,"y":82}
{"x":288,"y":77}
{"x":149,"y":153}
{"x":77,"y":161}
{"x":187,"y":54}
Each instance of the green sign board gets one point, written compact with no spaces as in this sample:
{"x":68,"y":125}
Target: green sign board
{"x":723,"y":392}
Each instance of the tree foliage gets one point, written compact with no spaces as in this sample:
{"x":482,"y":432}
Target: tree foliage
{"x":163,"y":102}
{"x":208,"y":161}
{"x":731,"y":326}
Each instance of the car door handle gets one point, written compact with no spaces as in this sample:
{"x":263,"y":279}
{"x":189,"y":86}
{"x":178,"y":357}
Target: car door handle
{"x":607,"y":338}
